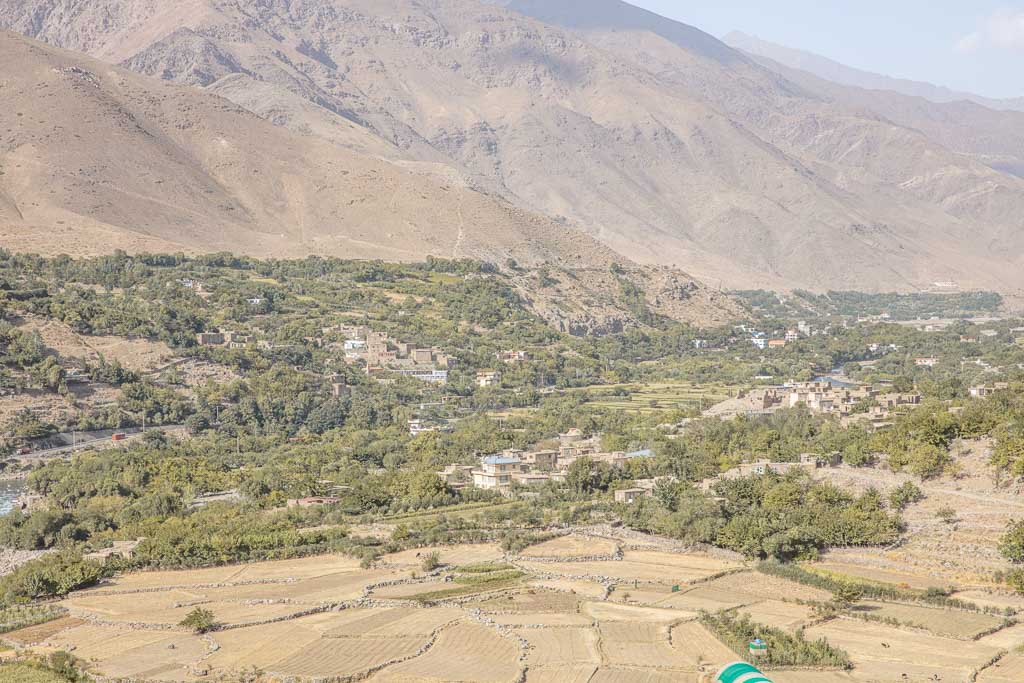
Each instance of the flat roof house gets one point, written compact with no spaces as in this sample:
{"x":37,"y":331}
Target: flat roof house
{"x":496,"y":472}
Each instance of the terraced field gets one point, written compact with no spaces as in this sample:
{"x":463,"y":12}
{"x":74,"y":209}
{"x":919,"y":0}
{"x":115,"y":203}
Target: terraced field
{"x":316,"y":619}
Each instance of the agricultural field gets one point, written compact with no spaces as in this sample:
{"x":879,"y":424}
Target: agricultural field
{"x":316,"y":618}
{"x":641,"y":566}
{"x":1009,"y":669}
{"x":944,"y":622}
{"x":884,"y":653}
{"x":570,"y":547}
{"x":655,"y":398}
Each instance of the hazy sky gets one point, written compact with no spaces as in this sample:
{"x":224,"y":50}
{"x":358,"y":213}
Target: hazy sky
{"x":972,"y":45}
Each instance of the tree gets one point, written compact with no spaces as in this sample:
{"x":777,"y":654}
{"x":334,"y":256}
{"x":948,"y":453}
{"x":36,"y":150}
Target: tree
{"x":431,"y":561}
{"x":846,"y":595}
{"x":1011,"y":545}
{"x":904,"y":495}
{"x":946,"y":514}
{"x":199,"y":620}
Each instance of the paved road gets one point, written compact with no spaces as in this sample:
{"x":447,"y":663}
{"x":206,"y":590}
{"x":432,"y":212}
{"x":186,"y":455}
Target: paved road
{"x":87,"y":440}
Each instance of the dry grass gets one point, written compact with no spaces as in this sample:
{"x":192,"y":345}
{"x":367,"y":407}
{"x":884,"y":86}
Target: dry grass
{"x":784,"y":615}
{"x":533,"y":601}
{"x":559,"y":674}
{"x":465,"y":652}
{"x":1010,"y":669}
{"x":934,"y":619}
{"x":626,"y":675}
{"x":877,"y":649}
{"x":328,"y":657}
{"x":455,"y":556}
{"x":41,"y":632}
{"x":584,"y":589}
{"x":561,"y":647}
{"x":647,"y":566}
{"x":571,"y":546}
{"x":699,"y":647}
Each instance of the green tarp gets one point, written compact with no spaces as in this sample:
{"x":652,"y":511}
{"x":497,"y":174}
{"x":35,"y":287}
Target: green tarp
{"x":741,"y":672}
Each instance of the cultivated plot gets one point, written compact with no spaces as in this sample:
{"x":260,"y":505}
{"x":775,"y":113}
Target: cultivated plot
{"x":571,"y":546}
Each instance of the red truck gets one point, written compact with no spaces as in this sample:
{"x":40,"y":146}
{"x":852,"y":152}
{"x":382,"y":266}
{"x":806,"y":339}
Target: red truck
{"x":25,"y":450}
{"x":120,"y":436}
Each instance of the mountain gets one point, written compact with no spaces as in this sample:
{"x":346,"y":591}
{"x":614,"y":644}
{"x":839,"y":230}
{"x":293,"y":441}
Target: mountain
{"x":653,"y":137}
{"x":833,"y":71}
{"x":994,"y":137}
{"x":95,"y":157}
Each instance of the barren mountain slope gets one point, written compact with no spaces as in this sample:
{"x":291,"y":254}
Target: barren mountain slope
{"x":658,"y":139}
{"x":838,"y":73}
{"x":93,"y":157}
{"x":994,"y":137}
{"x":87,"y":141}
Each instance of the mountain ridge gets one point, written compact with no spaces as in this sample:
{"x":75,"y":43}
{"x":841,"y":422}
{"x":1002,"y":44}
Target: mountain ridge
{"x":653,"y":137}
{"x":842,"y":74}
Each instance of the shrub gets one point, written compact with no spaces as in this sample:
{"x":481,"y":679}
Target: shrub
{"x":784,"y":649}
{"x":199,"y":620}
{"x":431,"y":561}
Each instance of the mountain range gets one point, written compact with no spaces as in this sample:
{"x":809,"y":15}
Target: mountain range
{"x":559,"y":131}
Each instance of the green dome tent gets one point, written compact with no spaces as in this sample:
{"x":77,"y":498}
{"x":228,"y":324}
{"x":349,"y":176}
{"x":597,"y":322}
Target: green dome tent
{"x":741,"y":672}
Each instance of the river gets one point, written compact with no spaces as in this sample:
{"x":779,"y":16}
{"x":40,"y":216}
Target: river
{"x":9,"y":490}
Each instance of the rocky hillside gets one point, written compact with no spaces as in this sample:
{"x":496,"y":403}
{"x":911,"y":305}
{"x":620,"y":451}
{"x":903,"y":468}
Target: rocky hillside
{"x":659,"y":140}
{"x":95,"y":157}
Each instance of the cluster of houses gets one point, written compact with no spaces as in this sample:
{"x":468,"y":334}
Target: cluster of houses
{"x":380,"y":353}
{"x":842,"y":401}
{"x":501,"y":471}
{"x":765,"y":342}
{"x":231,"y":340}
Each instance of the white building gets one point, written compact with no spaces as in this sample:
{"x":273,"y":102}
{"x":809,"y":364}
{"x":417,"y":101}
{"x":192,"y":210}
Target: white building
{"x":496,"y":472}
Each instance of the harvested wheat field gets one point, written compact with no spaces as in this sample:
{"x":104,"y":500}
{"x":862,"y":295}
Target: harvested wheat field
{"x":699,"y":647}
{"x":647,"y":566}
{"x":941,"y":622}
{"x":136,"y":654}
{"x":879,"y":650}
{"x":128,"y":609}
{"x":311,"y":619}
{"x":627,"y":675}
{"x":787,"y":616}
{"x":608,"y":611}
{"x":561,"y":647}
{"x":584,"y":589}
{"x":572,"y":674}
{"x":466,"y":652}
{"x":541,"y":619}
{"x":997,"y":599}
{"x":1009,"y":669}
{"x":572,"y":546}
{"x":813,"y":677}
{"x":847,"y":570}
{"x":1009,"y":638}
{"x":532,"y":600}
{"x":454,"y":556}
{"x":39,"y":633}
{"x":346,"y":657}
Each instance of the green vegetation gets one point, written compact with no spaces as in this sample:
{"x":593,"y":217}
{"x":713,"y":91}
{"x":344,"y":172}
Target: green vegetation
{"x":784,"y":649}
{"x":430,"y":561}
{"x":14,"y":617}
{"x":915,"y":306}
{"x":488,"y":578}
{"x":290,"y":416}
{"x":48,"y":577}
{"x":58,"y":667}
{"x":867,"y":590}
{"x":199,"y":620}
{"x":786,"y":518}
